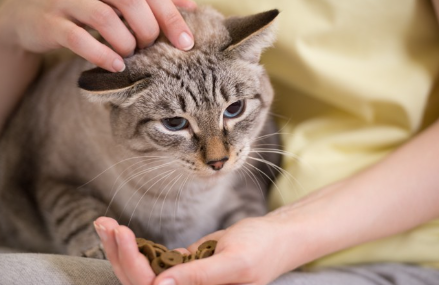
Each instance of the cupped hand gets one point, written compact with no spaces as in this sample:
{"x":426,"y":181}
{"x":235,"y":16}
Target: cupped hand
{"x":43,"y":25}
{"x":253,"y":251}
{"x":129,"y":265}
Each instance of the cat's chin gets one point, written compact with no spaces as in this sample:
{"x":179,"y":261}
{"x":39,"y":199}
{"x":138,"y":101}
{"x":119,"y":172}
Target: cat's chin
{"x":213,"y":175}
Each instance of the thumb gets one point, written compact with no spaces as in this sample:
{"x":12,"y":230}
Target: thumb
{"x":217,"y":269}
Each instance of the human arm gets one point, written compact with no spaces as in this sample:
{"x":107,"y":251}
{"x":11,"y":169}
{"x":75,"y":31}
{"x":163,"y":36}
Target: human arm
{"x":393,"y":196}
{"x":29,"y":28}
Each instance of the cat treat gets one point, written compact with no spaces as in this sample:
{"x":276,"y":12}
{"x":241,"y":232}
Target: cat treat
{"x":162,"y":258}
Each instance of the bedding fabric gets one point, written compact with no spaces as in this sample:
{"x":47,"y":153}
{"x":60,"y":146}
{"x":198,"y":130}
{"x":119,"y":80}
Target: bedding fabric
{"x":37,"y":269}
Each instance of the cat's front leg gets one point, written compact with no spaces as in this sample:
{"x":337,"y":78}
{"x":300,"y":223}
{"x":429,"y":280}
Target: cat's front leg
{"x":69,"y":213}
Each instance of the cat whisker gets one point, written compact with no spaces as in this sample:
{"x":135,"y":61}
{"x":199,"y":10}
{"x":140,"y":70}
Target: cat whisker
{"x":253,"y":178}
{"x":137,"y":187}
{"x":279,"y":169}
{"x":131,"y":178}
{"x":278,"y":116}
{"x":276,"y":146}
{"x":279,"y":132}
{"x":157,"y":198}
{"x":164,"y":175}
{"x":146,"y":164}
{"x":276,"y":151}
{"x":163,"y":203}
{"x":115,"y":164}
{"x":268,"y":135}
{"x":284,"y":153}
{"x":143,"y":165}
{"x":177,"y":200}
{"x":268,"y":177}
{"x":241,"y":174}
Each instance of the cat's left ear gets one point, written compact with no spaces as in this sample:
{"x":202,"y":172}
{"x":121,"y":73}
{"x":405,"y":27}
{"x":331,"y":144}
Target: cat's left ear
{"x":116,"y":87}
{"x":251,"y":35}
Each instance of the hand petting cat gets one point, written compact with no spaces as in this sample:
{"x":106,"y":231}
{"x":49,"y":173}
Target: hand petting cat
{"x":42,"y":25}
{"x":31,"y":27}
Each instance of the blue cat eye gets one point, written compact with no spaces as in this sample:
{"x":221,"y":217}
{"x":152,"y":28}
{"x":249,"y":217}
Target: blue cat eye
{"x":175,"y":124}
{"x":234,"y":110}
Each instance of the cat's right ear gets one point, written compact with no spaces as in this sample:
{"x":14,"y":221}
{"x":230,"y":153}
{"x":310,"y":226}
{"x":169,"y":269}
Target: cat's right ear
{"x":119,"y":88}
{"x":250,"y":35}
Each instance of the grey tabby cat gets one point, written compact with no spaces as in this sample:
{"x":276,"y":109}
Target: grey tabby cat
{"x":179,"y":145}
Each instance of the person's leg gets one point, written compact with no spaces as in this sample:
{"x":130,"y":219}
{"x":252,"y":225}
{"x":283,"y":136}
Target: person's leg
{"x":377,"y":274}
{"x":27,"y":268}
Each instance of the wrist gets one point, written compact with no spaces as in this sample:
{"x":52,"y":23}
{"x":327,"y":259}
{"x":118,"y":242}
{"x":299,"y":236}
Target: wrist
{"x":309,"y":229}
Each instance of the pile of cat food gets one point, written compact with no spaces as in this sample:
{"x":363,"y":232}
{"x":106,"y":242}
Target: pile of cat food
{"x":162,"y":258}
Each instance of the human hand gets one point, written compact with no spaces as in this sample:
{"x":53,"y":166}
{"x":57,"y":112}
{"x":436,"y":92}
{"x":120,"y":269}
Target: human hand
{"x":254,"y":251}
{"x":42,"y":25}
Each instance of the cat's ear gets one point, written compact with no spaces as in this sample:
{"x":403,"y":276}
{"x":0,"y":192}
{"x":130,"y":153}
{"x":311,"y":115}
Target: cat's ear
{"x":251,"y":35}
{"x":119,"y":88}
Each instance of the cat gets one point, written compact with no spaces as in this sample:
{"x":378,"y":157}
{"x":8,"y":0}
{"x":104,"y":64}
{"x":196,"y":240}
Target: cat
{"x":178,"y":145}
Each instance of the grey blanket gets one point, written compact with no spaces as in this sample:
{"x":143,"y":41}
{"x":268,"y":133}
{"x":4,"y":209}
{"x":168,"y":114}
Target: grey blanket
{"x":26,"y":268}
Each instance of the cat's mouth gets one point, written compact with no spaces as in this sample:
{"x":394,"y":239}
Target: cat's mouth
{"x":220,"y":170}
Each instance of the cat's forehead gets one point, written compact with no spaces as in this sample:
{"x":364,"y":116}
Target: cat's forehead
{"x":203,"y":77}
{"x":203,"y":83}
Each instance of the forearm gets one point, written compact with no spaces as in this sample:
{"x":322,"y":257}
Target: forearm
{"x":393,"y":196}
{"x":17,"y":71}
{"x":18,"y":67}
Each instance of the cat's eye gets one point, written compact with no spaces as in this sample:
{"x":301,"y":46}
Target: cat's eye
{"x":234,"y":110}
{"x":175,"y":124}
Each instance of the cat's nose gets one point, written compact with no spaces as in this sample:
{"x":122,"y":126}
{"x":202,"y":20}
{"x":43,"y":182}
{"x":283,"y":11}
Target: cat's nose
{"x":217,"y":164}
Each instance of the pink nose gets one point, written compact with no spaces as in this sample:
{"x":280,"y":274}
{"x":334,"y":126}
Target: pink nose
{"x":217,"y":164}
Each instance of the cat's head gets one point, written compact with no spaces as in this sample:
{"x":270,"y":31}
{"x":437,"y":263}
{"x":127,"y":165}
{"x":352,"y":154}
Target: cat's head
{"x":204,"y":107}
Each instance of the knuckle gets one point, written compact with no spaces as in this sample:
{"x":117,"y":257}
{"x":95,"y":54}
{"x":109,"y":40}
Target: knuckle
{"x":128,"y":3}
{"x":73,"y":37}
{"x":129,"y":45}
{"x":100,"y":58}
{"x":102,"y":15}
{"x":55,"y":4}
{"x":151,"y":33}
{"x":173,"y":19}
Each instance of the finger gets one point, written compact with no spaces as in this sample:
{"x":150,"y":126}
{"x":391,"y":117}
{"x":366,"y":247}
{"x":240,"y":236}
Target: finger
{"x":182,"y":250}
{"x":172,"y":24}
{"x":187,"y":4}
{"x":105,"y":228}
{"x":140,"y":18}
{"x":217,"y":269}
{"x":105,"y":20}
{"x":134,"y":264}
{"x":82,"y":43}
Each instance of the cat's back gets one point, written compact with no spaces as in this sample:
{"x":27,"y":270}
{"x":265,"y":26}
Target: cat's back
{"x":41,"y":110}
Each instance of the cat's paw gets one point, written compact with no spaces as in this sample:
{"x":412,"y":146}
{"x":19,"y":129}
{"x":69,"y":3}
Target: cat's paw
{"x":95,"y":252}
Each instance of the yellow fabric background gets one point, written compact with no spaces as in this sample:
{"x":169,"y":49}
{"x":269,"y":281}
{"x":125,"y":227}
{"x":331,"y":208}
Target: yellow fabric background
{"x":354,"y":80}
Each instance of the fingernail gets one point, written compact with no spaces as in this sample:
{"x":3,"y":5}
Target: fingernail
{"x":186,"y":41}
{"x":118,"y":65}
{"x":101,"y":230}
{"x":167,"y":281}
